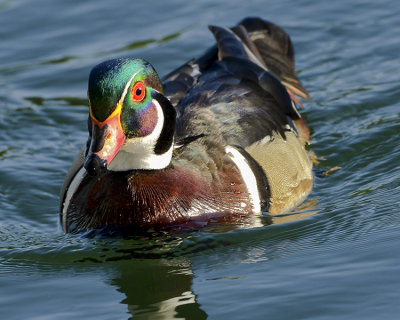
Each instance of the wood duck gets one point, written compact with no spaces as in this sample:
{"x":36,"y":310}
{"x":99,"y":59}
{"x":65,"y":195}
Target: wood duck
{"x":220,"y":137}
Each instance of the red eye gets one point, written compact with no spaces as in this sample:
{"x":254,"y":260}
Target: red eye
{"x":138,"y":92}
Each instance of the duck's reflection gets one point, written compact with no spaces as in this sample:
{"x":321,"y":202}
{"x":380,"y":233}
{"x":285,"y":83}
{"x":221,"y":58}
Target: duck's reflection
{"x":156,"y":276}
{"x":305,"y":210}
{"x":161,"y":288}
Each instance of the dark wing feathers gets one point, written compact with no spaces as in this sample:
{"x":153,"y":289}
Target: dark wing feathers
{"x":250,"y":71}
{"x":228,"y":101}
{"x":178,"y":82}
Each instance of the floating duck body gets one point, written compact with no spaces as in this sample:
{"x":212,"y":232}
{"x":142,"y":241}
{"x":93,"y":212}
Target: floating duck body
{"x":221,"y":137}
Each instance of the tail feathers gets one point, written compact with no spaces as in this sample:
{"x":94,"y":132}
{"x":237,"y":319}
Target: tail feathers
{"x":257,"y":40}
{"x":267,"y":45}
{"x":276,"y":50}
{"x":235,"y":43}
{"x":228,"y":44}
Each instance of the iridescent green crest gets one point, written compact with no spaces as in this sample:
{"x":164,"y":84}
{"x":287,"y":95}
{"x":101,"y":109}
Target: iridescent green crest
{"x":108,"y":82}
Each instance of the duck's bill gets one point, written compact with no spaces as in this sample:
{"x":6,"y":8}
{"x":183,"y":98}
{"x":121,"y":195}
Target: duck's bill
{"x":106,"y":140}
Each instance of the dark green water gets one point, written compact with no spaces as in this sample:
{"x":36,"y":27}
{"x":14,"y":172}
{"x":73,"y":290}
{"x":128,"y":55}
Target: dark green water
{"x":337,"y":257}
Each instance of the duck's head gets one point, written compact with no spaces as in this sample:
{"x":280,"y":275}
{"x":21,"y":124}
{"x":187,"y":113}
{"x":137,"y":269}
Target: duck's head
{"x":131,"y":123}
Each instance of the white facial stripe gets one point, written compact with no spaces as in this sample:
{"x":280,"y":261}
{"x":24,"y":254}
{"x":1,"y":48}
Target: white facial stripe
{"x":247,"y":175}
{"x":76,"y":181}
{"x":128,"y":84}
{"x":138,"y":153}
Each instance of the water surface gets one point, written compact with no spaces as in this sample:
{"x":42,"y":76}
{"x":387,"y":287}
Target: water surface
{"x":337,"y":256}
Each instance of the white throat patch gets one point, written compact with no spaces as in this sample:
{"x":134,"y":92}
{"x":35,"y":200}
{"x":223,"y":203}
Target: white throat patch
{"x":138,"y":153}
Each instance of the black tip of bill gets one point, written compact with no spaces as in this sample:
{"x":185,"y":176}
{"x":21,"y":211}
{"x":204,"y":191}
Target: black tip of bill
{"x":94,"y":165}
